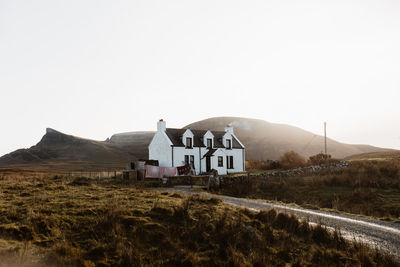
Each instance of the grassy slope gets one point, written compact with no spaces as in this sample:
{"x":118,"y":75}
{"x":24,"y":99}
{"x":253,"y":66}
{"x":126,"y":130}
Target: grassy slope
{"x":386,"y":155}
{"x":56,"y":221}
{"x":367,"y":187}
{"x":265,"y":140}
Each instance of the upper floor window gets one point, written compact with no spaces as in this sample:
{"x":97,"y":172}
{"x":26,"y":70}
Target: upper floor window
{"x":209,"y":142}
{"x":228,"y":143}
{"x":189,"y":142}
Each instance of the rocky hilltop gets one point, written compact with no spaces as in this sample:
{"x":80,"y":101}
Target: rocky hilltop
{"x":60,"y":151}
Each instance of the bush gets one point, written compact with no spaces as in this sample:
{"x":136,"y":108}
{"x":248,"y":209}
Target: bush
{"x":291,"y":160}
{"x":319,"y":159}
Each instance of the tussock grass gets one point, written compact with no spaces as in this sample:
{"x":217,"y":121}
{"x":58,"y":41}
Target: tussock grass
{"x":370,"y":188}
{"x":64,"y":222}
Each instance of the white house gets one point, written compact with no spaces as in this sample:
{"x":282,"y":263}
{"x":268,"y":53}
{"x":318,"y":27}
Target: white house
{"x":204,"y":150}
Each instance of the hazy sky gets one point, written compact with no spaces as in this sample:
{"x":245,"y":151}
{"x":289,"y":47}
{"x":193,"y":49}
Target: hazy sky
{"x":94,"y":68}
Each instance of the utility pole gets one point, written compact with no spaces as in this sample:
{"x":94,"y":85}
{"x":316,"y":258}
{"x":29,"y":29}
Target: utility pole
{"x":326,"y":147}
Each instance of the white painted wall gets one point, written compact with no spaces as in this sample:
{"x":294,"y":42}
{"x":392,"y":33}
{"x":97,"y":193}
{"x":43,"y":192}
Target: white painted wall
{"x":214,"y":161}
{"x":238,"y":159}
{"x":160,"y":149}
{"x":179,"y":157}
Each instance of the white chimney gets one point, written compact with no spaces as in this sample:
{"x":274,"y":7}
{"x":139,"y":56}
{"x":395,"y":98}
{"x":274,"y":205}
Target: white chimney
{"x":229,"y":129}
{"x":161,"y":126}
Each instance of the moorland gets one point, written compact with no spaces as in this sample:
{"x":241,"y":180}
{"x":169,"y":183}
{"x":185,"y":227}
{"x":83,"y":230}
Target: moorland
{"x":55,"y":220}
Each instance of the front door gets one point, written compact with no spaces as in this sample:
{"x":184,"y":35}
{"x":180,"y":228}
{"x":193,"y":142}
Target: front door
{"x":208,"y":164}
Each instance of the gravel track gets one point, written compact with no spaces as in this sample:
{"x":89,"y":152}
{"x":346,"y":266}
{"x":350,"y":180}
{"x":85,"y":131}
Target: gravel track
{"x":382,"y":235}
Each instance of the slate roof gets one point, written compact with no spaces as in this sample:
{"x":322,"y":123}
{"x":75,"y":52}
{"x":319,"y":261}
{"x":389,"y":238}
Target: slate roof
{"x":175,"y":135}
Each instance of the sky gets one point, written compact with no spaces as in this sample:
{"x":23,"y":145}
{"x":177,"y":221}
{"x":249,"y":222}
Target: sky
{"x":95,"y":68}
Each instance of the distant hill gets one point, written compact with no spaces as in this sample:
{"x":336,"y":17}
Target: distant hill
{"x":134,"y":142}
{"x":263,"y":140}
{"x":392,"y":154}
{"x":60,"y":151}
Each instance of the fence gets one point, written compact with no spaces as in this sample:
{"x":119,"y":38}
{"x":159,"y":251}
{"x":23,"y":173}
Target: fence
{"x":98,"y":174}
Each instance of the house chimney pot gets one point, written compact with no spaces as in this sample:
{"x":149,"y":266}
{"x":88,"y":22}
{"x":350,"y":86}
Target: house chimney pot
{"x":229,"y":129}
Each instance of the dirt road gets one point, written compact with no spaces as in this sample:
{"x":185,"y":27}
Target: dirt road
{"x":377,"y":234}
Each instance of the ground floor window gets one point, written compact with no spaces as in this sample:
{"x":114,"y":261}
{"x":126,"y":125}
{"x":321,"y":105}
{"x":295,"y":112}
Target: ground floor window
{"x":220,"y":161}
{"x":229,"y":162}
{"x":192,"y":161}
{"x":186,"y":159}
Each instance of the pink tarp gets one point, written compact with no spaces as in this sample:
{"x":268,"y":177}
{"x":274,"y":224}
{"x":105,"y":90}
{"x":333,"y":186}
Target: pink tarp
{"x":152,"y":171}
{"x":159,"y":172}
{"x":170,"y":172}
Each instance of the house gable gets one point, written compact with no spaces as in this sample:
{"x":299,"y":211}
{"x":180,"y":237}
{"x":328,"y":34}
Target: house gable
{"x":208,"y":135}
{"x":160,"y":149}
{"x":187,"y":139}
{"x":227,"y":136}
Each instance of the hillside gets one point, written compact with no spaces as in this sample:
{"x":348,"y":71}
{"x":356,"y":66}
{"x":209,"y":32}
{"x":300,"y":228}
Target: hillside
{"x":134,"y":142}
{"x":265,"y":140}
{"x":385,"y":155}
{"x":60,"y":151}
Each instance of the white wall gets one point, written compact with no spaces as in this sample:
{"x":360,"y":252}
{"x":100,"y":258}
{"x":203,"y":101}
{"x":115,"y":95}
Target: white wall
{"x":179,"y":157}
{"x":214,"y":161}
{"x":238,"y":160}
{"x":160,"y":149}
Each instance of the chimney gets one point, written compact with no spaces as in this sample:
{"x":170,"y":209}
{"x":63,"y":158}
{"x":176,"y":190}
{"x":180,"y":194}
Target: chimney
{"x":161,"y":126}
{"x":229,"y":129}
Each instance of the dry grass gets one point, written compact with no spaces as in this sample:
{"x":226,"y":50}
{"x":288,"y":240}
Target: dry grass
{"x":370,"y":188}
{"x":57,"y":221}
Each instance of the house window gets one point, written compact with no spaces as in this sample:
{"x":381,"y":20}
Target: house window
{"x":228,"y":143}
{"x":229,"y":162}
{"x":186,"y":159}
{"x":189,"y":142}
{"x":209,"y":142}
{"x":192,"y":160}
{"x":220,"y":161}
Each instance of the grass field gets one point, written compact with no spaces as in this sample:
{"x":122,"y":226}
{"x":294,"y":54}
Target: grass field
{"x":57,"y":221}
{"x":366,"y":187}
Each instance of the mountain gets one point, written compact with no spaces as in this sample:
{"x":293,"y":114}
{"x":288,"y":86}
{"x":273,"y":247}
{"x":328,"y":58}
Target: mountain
{"x":263,"y":140}
{"x":60,"y":151}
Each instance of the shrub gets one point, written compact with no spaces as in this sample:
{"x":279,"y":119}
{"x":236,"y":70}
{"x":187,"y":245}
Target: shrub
{"x":319,"y":159}
{"x":291,"y":160}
